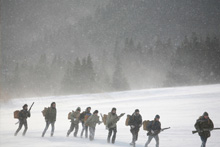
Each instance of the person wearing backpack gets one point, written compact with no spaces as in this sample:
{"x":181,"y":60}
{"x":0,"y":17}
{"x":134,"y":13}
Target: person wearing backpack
{"x":74,"y":122}
{"x":111,"y":124}
{"x":50,"y":118}
{"x":91,"y":122}
{"x":154,"y":128}
{"x":22,"y":116}
{"x":203,"y":123}
{"x":135,"y":123}
{"x":83,"y":117}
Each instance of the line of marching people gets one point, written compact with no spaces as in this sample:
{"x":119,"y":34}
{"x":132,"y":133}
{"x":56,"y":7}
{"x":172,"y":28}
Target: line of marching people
{"x":89,"y":121}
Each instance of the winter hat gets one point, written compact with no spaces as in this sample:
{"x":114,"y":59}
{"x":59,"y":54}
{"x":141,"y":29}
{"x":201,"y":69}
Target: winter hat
{"x":52,"y":103}
{"x":78,"y":109}
{"x":157,"y":116}
{"x":113,"y":109}
{"x":137,"y":110}
{"x":88,"y":108}
{"x":205,"y":114}
{"x":25,"y":105}
{"x":96,"y":111}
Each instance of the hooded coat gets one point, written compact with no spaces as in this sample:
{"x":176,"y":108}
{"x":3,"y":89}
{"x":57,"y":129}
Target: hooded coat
{"x":51,"y":114}
{"x":203,"y":123}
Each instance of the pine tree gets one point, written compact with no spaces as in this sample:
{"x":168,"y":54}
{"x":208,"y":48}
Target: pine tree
{"x":119,"y":82}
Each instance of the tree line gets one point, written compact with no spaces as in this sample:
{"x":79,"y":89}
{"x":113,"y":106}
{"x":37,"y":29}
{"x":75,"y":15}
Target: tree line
{"x":131,"y":64}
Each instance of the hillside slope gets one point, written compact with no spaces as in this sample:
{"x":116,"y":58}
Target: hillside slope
{"x":178,"y":107}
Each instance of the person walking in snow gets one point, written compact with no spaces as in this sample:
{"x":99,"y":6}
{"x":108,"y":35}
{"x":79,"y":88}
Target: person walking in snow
{"x":23,"y":115}
{"x":203,"y":125}
{"x":74,"y":122}
{"x":135,"y":123}
{"x":50,"y":118}
{"x":154,"y":128}
{"x":111,"y":123}
{"x":91,"y":123}
{"x":83,"y":117}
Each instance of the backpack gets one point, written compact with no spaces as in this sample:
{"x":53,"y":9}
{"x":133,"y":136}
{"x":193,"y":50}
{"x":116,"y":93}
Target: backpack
{"x":145,"y":125}
{"x":16,"y":114}
{"x":82,"y":116}
{"x":45,"y":111}
{"x":127,"y":121}
{"x":69,"y":115}
{"x":104,"y":118}
{"x":86,"y":117}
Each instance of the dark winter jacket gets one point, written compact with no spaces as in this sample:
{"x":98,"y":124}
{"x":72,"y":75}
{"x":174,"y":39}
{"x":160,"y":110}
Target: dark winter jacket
{"x":136,"y":121}
{"x":154,"y":126}
{"x":85,"y":114}
{"x":51,"y":114}
{"x":23,"y":115}
{"x":202,"y":124}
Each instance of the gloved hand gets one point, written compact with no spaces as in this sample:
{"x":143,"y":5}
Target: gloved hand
{"x":152,"y":132}
{"x":132,"y":126}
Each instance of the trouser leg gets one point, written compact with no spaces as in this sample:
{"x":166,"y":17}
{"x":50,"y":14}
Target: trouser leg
{"x":71,"y":129}
{"x":19,"y":128}
{"x":91,"y":133}
{"x":157,"y":140}
{"x":134,"y":134}
{"x":47,"y":125}
{"x":204,"y":140}
{"x":83,"y":129}
{"x":109,"y":134}
{"x":86,"y":131}
{"x":114,"y":135}
{"x":76,"y":130}
{"x":52,"y":128}
{"x":25,"y":128}
{"x":148,"y":141}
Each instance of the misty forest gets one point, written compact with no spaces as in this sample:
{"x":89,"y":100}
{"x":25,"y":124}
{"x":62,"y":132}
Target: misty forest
{"x":63,"y":47}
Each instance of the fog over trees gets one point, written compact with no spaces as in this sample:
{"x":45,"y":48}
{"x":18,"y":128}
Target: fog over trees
{"x":62,"y":47}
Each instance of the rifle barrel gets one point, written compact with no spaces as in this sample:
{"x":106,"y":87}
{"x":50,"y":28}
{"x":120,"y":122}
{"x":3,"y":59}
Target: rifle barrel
{"x":206,"y":130}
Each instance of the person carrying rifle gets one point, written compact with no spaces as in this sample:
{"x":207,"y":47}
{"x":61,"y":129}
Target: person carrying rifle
{"x":204,"y":125}
{"x":23,"y":115}
{"x":111,"y":123}
{"x":154,"y":128}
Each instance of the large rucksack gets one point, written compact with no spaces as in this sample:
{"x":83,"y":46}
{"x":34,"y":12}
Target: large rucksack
{"x":16,"y":114}
{"x":69,"y":115}
{"x":86,"y":117}
{"x":45,"y":111}
{"x":104,"y":118}
{"x":127,"y":120}
{"x":145,"y":125}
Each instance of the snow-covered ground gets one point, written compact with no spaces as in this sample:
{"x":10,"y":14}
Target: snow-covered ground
{"x":178,"y":107}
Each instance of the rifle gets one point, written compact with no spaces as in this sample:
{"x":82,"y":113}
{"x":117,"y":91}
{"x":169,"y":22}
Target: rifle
{"x":28,"y":110}
{"x":122,"y":114}
{"x":206,"y":130}
{"x":165,"y":129}
{"x":31,"y":107}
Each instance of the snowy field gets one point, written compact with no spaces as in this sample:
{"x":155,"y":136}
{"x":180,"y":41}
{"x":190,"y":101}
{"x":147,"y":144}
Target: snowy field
{"x":178,"y":107}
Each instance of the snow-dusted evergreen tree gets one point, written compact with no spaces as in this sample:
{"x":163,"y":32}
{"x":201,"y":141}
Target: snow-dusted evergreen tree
{"x":119,"y":81}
